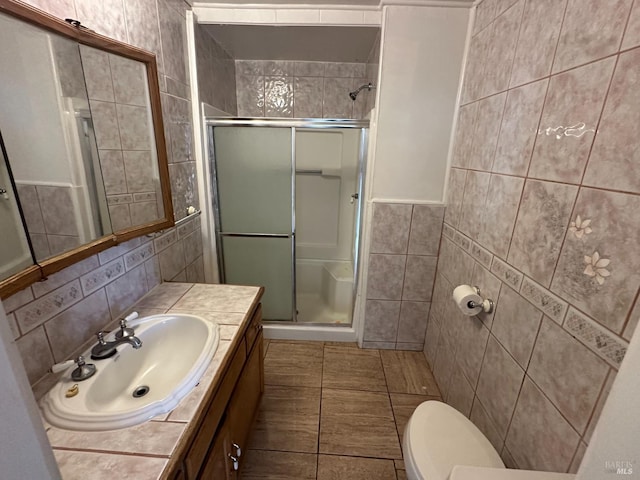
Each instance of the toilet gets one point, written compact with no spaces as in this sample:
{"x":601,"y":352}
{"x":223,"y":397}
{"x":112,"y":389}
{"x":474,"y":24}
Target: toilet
{"x":438,"y":437}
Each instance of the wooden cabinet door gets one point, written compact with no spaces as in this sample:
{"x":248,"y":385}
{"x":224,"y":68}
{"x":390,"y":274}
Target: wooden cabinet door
{"x":245,"y":400}
{"x":219,"y":464}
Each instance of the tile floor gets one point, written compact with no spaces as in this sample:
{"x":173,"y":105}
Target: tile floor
{"x":332,"y":411}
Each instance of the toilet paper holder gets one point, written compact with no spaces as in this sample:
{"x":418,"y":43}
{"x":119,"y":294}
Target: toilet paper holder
{"x":486,"y":304}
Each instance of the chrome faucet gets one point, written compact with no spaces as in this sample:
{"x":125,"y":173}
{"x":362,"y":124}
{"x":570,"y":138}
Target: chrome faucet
{"x":104,"y":349}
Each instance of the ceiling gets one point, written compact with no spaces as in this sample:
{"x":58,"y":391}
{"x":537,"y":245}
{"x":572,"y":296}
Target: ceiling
{"x":321,"y":44}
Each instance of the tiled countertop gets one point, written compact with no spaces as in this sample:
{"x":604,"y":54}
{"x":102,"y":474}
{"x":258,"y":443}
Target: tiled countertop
{"x":144,"y":451}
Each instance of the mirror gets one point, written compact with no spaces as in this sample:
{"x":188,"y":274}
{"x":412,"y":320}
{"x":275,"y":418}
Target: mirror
{"x":84,"y":157}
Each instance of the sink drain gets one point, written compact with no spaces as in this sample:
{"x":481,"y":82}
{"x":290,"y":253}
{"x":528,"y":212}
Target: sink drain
{"x":140,"y":391}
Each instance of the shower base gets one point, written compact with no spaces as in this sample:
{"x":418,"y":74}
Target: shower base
{"x":313,"y":309}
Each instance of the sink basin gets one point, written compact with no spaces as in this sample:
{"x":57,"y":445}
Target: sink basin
{"x":136,"y":385}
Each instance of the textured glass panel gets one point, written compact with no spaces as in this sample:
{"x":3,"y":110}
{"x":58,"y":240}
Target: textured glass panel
{"x":253,"y":167}
{"x":262,"y":261}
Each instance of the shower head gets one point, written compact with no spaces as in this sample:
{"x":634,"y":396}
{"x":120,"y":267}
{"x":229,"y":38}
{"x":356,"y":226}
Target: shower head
{"x":353,"y":95}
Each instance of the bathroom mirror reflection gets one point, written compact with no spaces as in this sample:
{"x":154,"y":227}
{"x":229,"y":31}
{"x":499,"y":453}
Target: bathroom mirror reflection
{"x":15,"y":253}
{"x":79,"y":134}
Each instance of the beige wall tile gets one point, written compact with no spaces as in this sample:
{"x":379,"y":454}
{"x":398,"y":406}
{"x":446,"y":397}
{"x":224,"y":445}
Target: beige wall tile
{"x":77,"y":324}
{"x":460,"y":395}
{"x":591,"y":30}
{"x":516,"y":325}
{"x":519,"y":127}
{"x":36,"y":354}
{"x":381,"y":320}
{"x":499,"y":384}
{"x":419,"y":276}
{"x":537,"y":40}
{"x":499,"y":213}
{"x":473,"y":336}
{"x":475,"y":193}
{"x":464,"y":135}
{"x":613,"y":161}
{"x":568,"y":373}
{"x":390,"y":227}
{"x":306,"y":101}
{"x":632,"y":32}
{"x":537,"y":239}
{"x":455,"y":193}
{"x":426,"y":228}
{"x":412,"y":324}
{"x":487,"y":129}
{"x":502,"y":49}
{"x":483,"y":421}
{"x":569,"y":120}
{"x":539,"y":437}
{"x":386,"y":274}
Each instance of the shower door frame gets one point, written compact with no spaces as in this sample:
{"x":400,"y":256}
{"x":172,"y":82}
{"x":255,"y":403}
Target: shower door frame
{"x":293,"y":124}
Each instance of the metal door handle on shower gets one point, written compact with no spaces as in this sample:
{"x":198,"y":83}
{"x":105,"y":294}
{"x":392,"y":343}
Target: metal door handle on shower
{"x":4,"y":194}
{"x":354,"y":197}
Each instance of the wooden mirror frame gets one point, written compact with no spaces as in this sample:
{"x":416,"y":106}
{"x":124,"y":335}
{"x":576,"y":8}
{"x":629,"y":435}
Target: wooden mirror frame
{"x":84,"y":36}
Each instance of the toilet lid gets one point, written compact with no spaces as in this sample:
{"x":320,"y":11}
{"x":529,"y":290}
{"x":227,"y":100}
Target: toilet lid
{"x":438,"y":437}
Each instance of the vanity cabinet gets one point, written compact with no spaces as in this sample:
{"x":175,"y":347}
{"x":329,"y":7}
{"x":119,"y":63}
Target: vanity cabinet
{"x":212,"y":452}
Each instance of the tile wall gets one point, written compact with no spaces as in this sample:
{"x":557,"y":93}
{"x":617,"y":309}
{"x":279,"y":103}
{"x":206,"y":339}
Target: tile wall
{"x":300,"y":89}
{"x":121,"y":113}
{"x":405,"y":240}
{"x":542,"y":215}
{"x":216,"y":73}
{"x":50,"y":217}
{"x":52,"y":319}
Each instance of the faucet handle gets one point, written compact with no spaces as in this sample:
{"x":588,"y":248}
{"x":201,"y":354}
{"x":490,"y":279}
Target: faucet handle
{"x":124,"y":330}
{"x":82,"y":372}
{"x":100,"y":336}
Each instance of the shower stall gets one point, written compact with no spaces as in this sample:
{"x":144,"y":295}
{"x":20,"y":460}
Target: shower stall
{"x":287,"y":200}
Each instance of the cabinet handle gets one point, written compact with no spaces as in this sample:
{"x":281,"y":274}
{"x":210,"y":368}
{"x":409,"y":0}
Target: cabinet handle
{"x":236,"y":465}
{"x":238,"y":449}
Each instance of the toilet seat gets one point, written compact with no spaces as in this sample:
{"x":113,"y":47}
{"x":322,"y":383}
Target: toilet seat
{"x":438,"y":437}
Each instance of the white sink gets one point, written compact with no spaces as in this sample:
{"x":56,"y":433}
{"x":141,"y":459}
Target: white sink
{"x":176,"y":350}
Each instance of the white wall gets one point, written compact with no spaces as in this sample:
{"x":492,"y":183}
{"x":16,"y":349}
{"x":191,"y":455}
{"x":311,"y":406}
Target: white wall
{"x":422,"y":51}
{"x":24,"y":449}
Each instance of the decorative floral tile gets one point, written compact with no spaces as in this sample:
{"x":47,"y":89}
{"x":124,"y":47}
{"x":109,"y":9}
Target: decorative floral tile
{"x":542,"y":298}
{"x":605,"y":344}
{"x":462,"y":241}
{"x":507,"y":273}
{"x":144,"y":197}
{"x":138,"y":256}
{"x":599,"y":268}
{"x":448,"y":231}
{"x":481,"y":254}
{"x":165,"y":240}
{"x":119,"y":199}
{"x":46,"y":307}
{"x":92,"y":281}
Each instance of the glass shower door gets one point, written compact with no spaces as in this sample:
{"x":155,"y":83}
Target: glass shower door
{"x":253,"y":168}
